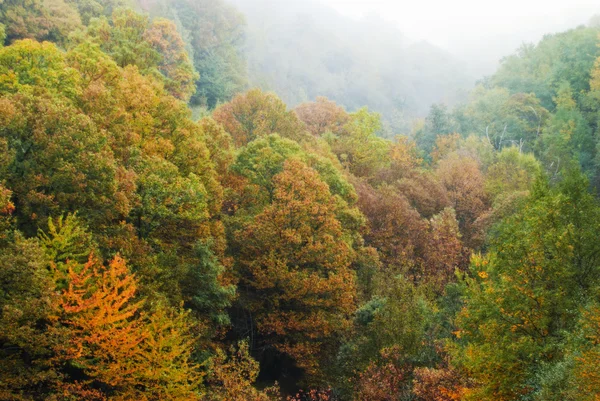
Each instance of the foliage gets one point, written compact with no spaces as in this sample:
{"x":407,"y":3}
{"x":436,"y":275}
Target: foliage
{"x":322,"y":116}
{"x":214,"y":32}
{"x":540,"y":69}
{"x":232,"y":377}
{"x":512,"y":171}
{"x":28,"y":305}
{"x":295,"y":268}
{"x":51,"y":20}
{"x":358,"y":147}
{"x":384,"y":380}
{"x":440,"y":384}
{"x":523,"y":296}
{"x":154,"y":47}
{"x":256,"y":114}
{"x":457,"y":263}
{"x":298,"y":50}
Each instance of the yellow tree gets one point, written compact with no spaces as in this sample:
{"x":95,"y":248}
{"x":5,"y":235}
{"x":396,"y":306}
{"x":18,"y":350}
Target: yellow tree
{"x":114,"y":343}
{"x":231,"y":377}
{"x":180,"y":77}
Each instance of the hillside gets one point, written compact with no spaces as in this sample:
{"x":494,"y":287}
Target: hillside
{"x":303,"y":50}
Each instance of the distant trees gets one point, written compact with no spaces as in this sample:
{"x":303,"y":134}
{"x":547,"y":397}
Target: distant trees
{"x":214,"y":33}
{"x":41,"y":20}
{"x":152,"y":46}
{"x":322,"y":116}
{"x":296,"y":51}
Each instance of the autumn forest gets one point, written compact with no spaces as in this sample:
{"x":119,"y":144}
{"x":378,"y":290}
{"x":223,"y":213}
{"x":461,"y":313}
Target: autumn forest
{"x":171,"y":230}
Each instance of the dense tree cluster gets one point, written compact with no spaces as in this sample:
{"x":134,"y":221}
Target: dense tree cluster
{"x":267,"y":253}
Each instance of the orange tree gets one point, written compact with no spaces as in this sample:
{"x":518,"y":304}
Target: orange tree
{"x":294,"y":269}
{"x":255,"y":114}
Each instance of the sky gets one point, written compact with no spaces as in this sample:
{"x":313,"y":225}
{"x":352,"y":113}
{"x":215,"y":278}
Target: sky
{"x":467,"y":27}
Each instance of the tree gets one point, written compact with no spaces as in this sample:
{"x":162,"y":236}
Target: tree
{"x":358,"y":147}
{"x":444,"y":252}
{"x":215,"y":34}
{"x":111,"y":144}
{"x":438,"y":122}
{"x":294,"y":269}
{"x":42,"y":20}
{"x":66,"y":240}
{"x":59,"y":170}
{"x":322,"y":116}
{"x":113,"y":342}
{"x":154,"y":47}
{"x":28,"y":308}
{"x":170,"y":204}
{"x":256,"y":114}
{"x":567,"y":135}
{"x":264,"y":158}
{"x":232,"y":377}
{"x":464,"y":182}
{"x":440,"y":384}
{"x":396,"y":229}
{"x":45,"y":68}
{"x":541,"y":69}
{"x":220,"y":145}
{"x":504,"y":119}
{"x":523,"y":296}
{"x":2,"y":35}
{"x":511,"y":172}
{"x":175,"y":65}
{"x":6,"y":210}
{"x":424,"y":192}
{"x":587,"y":373}
{"x":203,"y":290}
{"x":89,"y":9}
{"x":384,"y":380}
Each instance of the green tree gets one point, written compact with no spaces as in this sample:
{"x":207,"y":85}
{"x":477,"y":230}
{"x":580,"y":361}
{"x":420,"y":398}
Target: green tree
{"x":438,"y":122}
{"x":522,"y":298}
{"x":512,"y":171}
{"x":567,"y":135}
{"x":155,"y":47}
{"x":358,"y":147}
{"x":28,"y":307}
{"x":202,"y":288}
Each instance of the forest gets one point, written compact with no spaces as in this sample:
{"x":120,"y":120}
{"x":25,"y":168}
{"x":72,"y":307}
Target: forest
{"x":171,"y":231}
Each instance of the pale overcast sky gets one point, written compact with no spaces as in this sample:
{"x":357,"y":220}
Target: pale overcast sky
{"x":466,"y":25}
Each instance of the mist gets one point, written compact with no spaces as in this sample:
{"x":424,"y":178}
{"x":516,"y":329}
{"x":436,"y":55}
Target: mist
{"x":480,"y":32}
{"x":396,"y":58}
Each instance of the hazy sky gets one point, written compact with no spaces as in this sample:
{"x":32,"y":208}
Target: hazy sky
{"x":468,"y":25}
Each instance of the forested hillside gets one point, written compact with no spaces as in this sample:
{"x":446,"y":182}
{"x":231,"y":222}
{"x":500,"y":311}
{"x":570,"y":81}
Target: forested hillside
{"x":301,"y":50}
{"x":167,"y":233}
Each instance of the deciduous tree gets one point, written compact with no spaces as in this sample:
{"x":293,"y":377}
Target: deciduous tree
{"x":294,"y":268}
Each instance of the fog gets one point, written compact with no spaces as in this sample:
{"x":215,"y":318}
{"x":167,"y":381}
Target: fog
{"x":397,"y":58}
{"x":483,"y":30}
